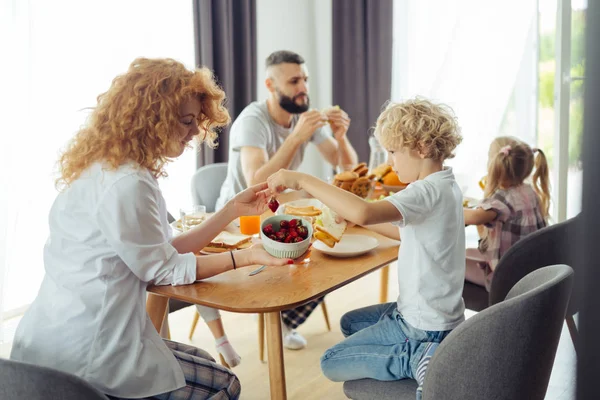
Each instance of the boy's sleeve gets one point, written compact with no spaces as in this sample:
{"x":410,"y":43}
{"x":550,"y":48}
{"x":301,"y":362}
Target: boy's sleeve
{"x":414,"y":203}
{"x":497,"y":202}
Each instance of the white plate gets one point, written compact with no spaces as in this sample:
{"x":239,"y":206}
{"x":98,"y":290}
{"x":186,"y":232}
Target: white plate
{"x":176,"y":225}
{"x":349,"y":246}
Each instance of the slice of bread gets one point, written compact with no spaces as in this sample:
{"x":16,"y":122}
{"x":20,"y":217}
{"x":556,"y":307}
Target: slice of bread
{"x":327,"y":229}
{"x":229,"y":241}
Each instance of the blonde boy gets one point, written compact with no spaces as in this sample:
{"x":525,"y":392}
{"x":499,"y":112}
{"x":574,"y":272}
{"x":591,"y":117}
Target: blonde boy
{"x":395,"y":340}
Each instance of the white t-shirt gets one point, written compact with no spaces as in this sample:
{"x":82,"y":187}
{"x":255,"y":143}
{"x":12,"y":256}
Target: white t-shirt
{"x":431,"y":260}
{"x":255,"y":127}
{"x":109,"y":238}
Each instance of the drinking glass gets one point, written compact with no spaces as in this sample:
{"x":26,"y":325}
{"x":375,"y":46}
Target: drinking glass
{"x":192,"y":217}
{"x":250,"y":224}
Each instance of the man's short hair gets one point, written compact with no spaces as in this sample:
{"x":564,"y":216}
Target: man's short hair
{"x":282,"y":57}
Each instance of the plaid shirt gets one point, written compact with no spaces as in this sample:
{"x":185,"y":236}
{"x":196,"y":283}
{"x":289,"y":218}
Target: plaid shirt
{"x":519,"y":214}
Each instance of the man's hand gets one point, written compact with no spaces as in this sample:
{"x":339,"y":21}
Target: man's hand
{"x":339,"y":120}
{"x":308,"y":123}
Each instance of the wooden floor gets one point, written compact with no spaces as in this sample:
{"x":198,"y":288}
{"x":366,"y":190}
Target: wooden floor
{"x":303,"y":373}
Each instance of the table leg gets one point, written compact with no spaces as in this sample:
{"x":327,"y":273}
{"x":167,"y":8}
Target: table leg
{"x":385,"y":276}
{"x":156,"y":307}
{"x":275,"y":354}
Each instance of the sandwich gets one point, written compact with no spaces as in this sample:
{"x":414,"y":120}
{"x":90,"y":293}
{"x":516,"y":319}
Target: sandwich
{"x":227,"y":241}
{"x":327,"y":229}
{"x":307,"y":211}
{"x":329,"y":109}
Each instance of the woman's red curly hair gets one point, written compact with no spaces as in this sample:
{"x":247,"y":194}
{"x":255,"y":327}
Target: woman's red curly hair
{"x":136,"y":119}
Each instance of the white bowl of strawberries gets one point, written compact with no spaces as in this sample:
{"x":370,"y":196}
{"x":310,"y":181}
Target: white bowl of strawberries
{"x":285,"y":236}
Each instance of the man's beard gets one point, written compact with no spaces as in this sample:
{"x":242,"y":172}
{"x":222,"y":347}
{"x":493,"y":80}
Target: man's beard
{"x":289,"y":103}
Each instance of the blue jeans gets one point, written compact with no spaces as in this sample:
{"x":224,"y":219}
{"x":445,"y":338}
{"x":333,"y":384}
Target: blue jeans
{"x":379,"y":344}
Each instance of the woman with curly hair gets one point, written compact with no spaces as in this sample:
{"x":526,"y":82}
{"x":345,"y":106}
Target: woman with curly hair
{"x":109,"y":239}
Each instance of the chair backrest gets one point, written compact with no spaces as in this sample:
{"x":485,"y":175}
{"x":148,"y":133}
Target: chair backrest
{"x":549,"y":246}
{"x":206,"y":185}
{"x":507,"y":350}
{"x":20,"y":380}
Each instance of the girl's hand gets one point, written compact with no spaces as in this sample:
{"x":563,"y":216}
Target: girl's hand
{"x":252,"y":201}
{"x":284,"y":179}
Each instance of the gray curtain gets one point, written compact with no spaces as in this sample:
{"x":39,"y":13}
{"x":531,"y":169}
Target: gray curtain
{"x":362,"y":67}
{"x":588,"y":352}
{"x":225,"y":41}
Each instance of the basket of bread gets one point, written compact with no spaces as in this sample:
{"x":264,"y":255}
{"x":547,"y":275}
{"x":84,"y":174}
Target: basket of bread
{"x":388,"y":178}
{"x":357,"y":181}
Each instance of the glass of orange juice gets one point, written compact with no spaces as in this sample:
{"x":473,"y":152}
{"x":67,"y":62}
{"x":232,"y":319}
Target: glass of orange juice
{"x":250,"y":224}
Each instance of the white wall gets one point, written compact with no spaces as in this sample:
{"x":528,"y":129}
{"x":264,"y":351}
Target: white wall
{"x":305,"y":28}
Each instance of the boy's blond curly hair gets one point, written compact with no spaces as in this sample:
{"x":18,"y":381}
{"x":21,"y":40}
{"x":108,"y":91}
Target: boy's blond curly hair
{"x":419,"y":124}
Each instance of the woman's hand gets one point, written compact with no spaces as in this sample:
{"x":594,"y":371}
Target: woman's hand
{"x":284,"y":179}
{"x":252,"y":201}
{"x":257,"y":255}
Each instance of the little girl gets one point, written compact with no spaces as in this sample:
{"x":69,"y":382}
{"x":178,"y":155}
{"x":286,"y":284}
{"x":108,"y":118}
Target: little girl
{"x":511,"y":209}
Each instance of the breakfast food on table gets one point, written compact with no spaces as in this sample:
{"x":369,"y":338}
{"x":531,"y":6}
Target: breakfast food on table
{"x":227,"y":241}
{"x":345,"y":179}
{"x":388,"y":178}
{"x":292,"y":231}
{"x":357,"y":181}
{"x":306,"y":211}
{"x":381,"y":171}
{"x":361,"y":169}
{"x":327,"y":229}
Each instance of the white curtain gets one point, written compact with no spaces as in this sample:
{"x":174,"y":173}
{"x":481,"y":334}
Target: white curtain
{"x":59,"y":56}
{"x":479,"y":57}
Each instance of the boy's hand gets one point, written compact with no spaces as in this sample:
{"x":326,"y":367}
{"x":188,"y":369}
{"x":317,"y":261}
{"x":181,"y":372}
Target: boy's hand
{"x":339,"y":220}
{"x":284,"y":179}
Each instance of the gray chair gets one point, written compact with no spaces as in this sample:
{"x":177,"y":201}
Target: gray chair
{"x":206,"y":185}
{"x":505,"y":352}
{"x":552,"y":245}
{"x":20,"y":380}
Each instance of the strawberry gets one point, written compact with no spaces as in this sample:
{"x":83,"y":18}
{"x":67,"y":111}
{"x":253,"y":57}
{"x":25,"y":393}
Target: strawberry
{"x":284,"y":224}
{"x":297,"y":239}
{"x":288,"y":239}
{"x":273,"y":204}
{"x":280,"y":236}
{"x":293,"y":223}
{"x":268,"y":229}
{"x":302,"y":231}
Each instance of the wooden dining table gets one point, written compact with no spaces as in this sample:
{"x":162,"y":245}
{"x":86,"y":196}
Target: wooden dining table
{"x":275,"y":289}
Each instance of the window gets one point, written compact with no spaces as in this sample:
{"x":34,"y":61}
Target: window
{"x":62,"y":55}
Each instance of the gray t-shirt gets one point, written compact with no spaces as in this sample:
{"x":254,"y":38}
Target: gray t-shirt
{"x":254,"y":127}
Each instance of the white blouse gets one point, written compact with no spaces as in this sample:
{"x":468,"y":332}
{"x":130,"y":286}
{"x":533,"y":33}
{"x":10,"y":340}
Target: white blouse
{"x":109,"y":238}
